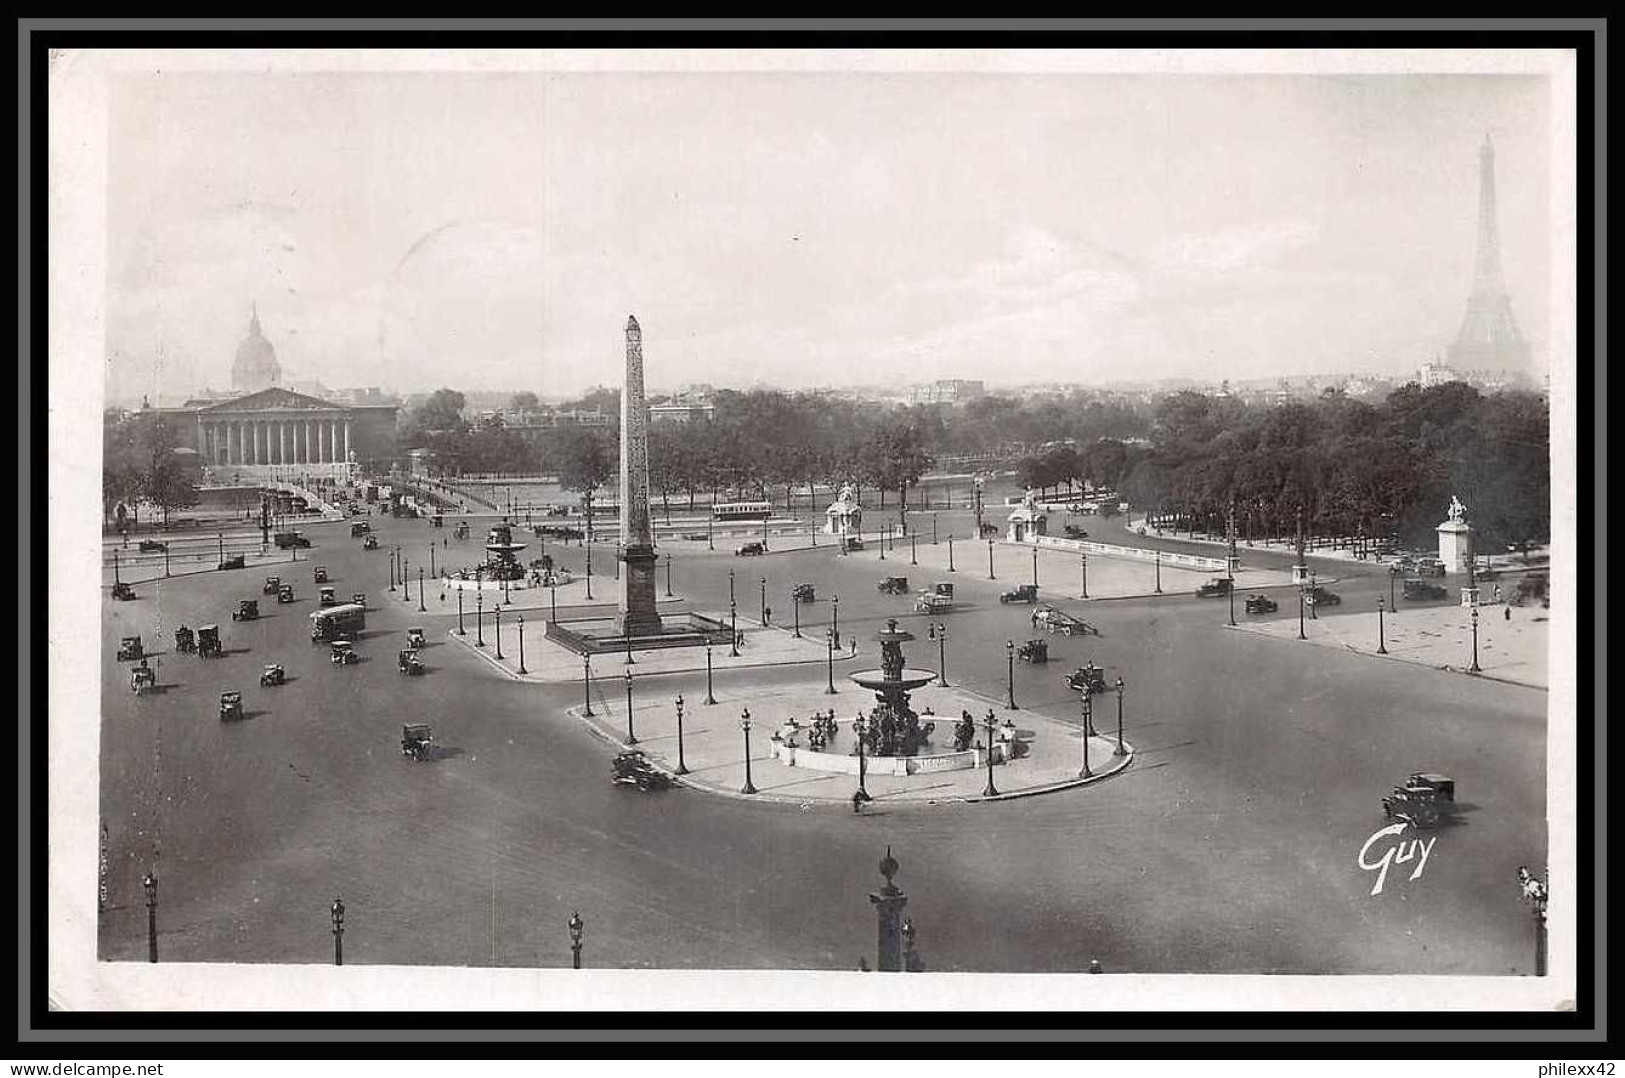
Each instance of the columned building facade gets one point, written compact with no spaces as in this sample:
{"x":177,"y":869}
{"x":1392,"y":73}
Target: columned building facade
{"x":277,"y":430}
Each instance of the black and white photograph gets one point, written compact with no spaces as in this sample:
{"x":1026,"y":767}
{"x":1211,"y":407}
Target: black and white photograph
{"x":675,"y":529}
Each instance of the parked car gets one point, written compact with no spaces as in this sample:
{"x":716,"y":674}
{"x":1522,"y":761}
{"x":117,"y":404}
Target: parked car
{"x":1429,"y":567}
{"x":1261,"y":604}
{"x":1219,"y":585}
{"x":231,"y":706}
{"x":236,"y":561}
{"x":123,"y":592}
{"x":1318,"y":596}
{"x":750,"y":549}
{"x":129,"y":649}
{"x":153,"y":546}
{"x":247,"y":610}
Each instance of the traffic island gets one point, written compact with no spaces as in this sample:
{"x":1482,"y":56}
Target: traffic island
{"x":1044,"y":755}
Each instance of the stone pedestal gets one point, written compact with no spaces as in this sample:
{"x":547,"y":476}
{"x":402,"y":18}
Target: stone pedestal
{"x":1455,"y":545}
{"x":1300,"y":574}
{"x":1469,"y":596}
{"x":636,"y":614}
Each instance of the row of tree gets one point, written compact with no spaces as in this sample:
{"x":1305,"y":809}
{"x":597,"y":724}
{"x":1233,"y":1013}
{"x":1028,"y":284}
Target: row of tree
{"x":141,"y":465}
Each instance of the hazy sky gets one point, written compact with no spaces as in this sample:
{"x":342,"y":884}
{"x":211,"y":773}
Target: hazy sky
{"x":494,"y":231}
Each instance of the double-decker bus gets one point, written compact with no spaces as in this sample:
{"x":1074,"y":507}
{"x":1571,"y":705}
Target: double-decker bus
{"x":337,"y":621}
{"x":741,"y":510}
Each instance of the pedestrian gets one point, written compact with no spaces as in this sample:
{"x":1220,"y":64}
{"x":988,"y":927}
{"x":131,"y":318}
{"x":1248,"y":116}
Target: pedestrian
{"x":1497,"y":593}
{"x":857,"y":802}
{"x":1507,"y":611}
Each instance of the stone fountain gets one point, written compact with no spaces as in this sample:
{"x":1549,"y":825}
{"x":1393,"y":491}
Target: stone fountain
{"x":502,"y":554}
{"x":894,"y":729}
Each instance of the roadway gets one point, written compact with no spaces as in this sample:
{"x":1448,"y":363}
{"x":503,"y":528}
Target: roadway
{"x":1228,"y":847}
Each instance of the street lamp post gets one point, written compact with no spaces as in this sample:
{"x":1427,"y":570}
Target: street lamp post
{"x":764,"y":602}
{"x":992,"y":725}
{"x":860,"y":731}
{"x":498,"y":614}
{"x":1393,"y":575}
{"x":586,"y":683}
{"x":1083,"y":573}
{"x":460,"y":630}
{"x":1231,"y":591}
{"x":913,"y":549}
{"x":431,"y":560}
{"x":730,"y":587}
{"x":1301,"y":594}
{"x":1314,"y":592}
{"x":522,"y":669}
{"x":884,"y":529}
{"x":1088,"y":728}
{"x":1035,"y":567}
{"x":589,"y":571}
{"x":933,"y":529}
{"x":150,"y":883}
{"x":1381,"y":644}
{"x":553,"y":597}
{"x":421,"y":608}
{"x":829,"y":637}
{"x":668,"y":575}
{"x":392,"y":570}
{"x":951,"y":554}
{"x":406,"y":582}
{"x":990,"y":560}
{"x":631,"y":736}
{"x":733,"y":630}
{"x":709,"y":699}
{"x":682,"y":767}
{"x":1121,"y":751}
{"x":709,"y":545}
{"x":1475,"y":667}
{"x":577,"y":928}
{"x":835,"y":618}
{"x":1158,"y":560}
{"x":795,"y":610}
{"x":744,"y":724}
{"x":1010,"y":652}
{"x":337,"y":913}
{"x":939,"y":632}
{"x":479,"y":620}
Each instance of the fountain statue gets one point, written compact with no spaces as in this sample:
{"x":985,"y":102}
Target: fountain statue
{"x":894,"y":729}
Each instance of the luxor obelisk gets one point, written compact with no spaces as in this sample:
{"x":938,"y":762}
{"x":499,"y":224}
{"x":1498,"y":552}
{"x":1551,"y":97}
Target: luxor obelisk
{"x":637,"y":615}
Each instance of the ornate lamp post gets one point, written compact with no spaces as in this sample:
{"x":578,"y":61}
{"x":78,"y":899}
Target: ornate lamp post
{"x":933,"y":529}
{"x":1475,"y":667}
{"x":709,"y":699}
{"x":586,"y":684}
{"x":884,"y":530}
{"x":149,"y":883}
{"x":733,"y":630}
{"x":577,"y":929}
{"x":498,"y":614}
{"x":744,"y":724}
{"x":589,"y":571}
{"x":421,"y":608}
{"x":835,"y":618}
{"x":764,"y":602}
{"x":795,"y":610}
{"x":1231,"y":591}
{"x":829,"y":637}
{"x":913,"y":549}
{"x":730,"y":587}
{"x":479,"y":620}
{"x":709,"y":545}
{"x":1083,"y":572}
{"x":1088,"y":729}
{"x":1121,"y":751}
{"x":951,"y":554}
{"x":860,"y":732}
{"x":1381,"y":648}
{"x":406,"y":582}
{"x":1035,"y":567}
{"x":682,"y":767}
{"x":1314,"y":591}
{"x":431,"y":560}
{"x":337,"y":913}
{"x":990,"y":575}
{"x":938,"y":631}
{"x":553,"y":597}
{"x":631,"y":737}
{"x":392,"y":570}
{"x":1010,"y":653}
{"x":668,"y":576}
{"x":1158,"y":560}
{"x":992,"y":726}
{"x":460,"y":630}
{"x":1393,"y":575}
{"x":522,"y":669}
{"x":1301,"y":636}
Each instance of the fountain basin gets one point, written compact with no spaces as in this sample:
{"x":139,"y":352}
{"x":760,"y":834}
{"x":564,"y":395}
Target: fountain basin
{"x":911,"y":678}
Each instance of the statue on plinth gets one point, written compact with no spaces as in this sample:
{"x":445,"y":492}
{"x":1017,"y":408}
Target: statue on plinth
{"x":1457,"y":511}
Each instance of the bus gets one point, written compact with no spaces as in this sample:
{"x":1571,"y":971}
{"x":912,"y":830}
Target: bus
{"x":742,"y":510}
{"x":337,"y":622}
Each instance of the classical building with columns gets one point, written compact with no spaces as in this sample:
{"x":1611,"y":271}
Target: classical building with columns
{"x":277,"y":432}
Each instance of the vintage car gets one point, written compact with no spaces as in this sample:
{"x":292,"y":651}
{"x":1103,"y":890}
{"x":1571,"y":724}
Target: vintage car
{"x":272,"y":585}
{"x":153,"y":546}
{"x":208,"y":641}
{"x":236,"y":561}
{"x":231,"y":705}
{"x":320,"y":574}
{"x":359,"y":528}
{"x":1075,"y":532}
{"x":273,"y":674}
{"x":893,"y":585}
{"x":1423,"y":589}
{"x":370,"y":543}
{"x":804,"y":593}
{"x":327,"y":597}
{"x":851,"y":543}
{"x":142,"y":677}
{"x":291,"y":541}
{"x":185,"y":641}
{"x":634,"y":769}
{"x":359,"y":598}
{"x":1261,"y":604}
{"x":1021,"y":593}
{"x":1425,"y":798}
{"x":414,"y":637}
{"x":1429,"y":567}
{"x":409,"y":661}
{"x":750,"y":549}
{"x":1033,"y":651}
{"x":930,"y":602}
{"x":247,"y":610}
{"x":417,"y":740}
{"x":1318,"y":596}
{"x":1058,"y":621}
{"x":129,"y":649}
{"x":1088,"y":678}
{"x":343,"y":653}
{"x":123,"y":592}
{"x":1216,"y":586}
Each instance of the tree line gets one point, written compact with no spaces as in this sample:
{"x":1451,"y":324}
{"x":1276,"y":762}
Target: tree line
{"x":141,"y":465}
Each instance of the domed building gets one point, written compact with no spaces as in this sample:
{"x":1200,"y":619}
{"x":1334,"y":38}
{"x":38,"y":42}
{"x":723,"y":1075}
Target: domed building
{"x":256,"y":367}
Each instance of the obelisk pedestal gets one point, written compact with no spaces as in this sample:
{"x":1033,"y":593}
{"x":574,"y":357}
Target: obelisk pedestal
{"x":636,"y":614}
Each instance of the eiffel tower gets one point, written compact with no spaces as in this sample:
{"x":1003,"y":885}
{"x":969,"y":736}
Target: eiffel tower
{"x":1489,"y":337}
